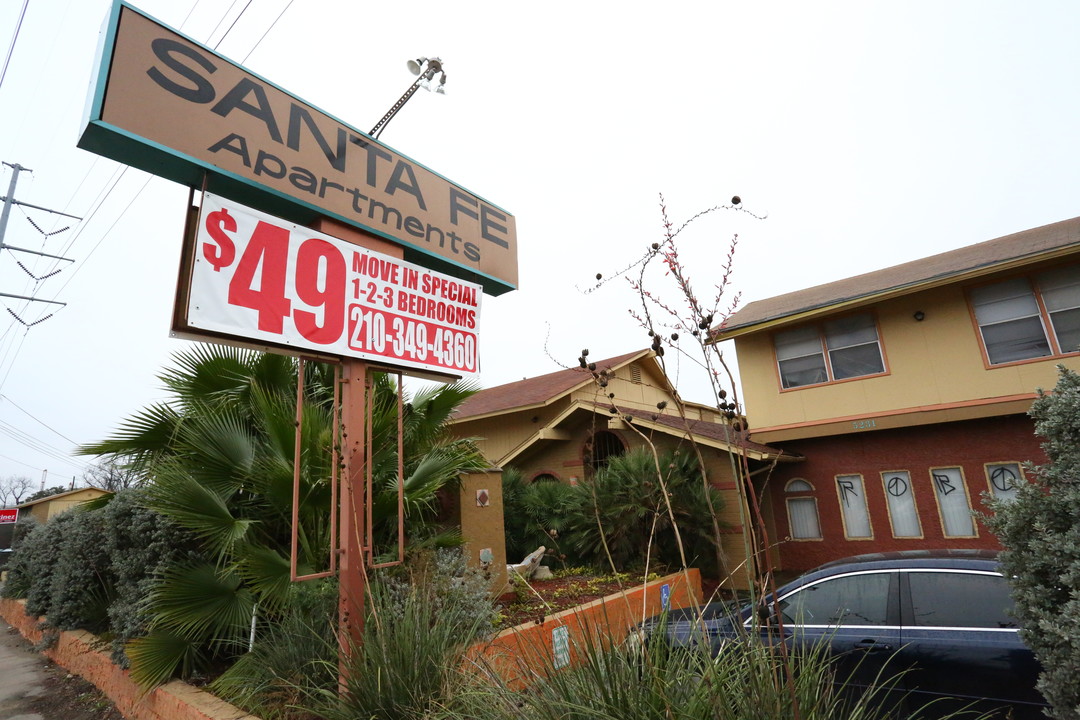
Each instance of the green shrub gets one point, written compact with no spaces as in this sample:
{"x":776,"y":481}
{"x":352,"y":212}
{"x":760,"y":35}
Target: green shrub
{"x":627,"y":682}
{"x":82,"y":583}
{"x":1040,"y":531}
{"x":293,"y":659}
{"x":535,"y":514}
{"x":140,"y":544}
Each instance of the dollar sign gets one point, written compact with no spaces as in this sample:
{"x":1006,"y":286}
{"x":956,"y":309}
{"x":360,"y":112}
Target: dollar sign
{"x":222,"y":254}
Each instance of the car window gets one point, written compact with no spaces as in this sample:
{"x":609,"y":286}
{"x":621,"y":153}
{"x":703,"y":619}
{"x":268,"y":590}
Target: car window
{"x":850,"y":600}
{"x":967,"y":600}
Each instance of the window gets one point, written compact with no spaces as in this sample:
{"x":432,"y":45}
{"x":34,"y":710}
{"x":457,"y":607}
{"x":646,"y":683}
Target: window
{"x":839,"y":349}
{"x":599,"y":450}
{"x":952,"y":497}
{"x":849,"y":489}
{"x":850,"y":600}
{"x":545,"y":477}
{"x":802,"y":511}
{"x":1015,"y":326}
{"x":960,"y":600}
{"x":900,"y":496}
{"x":1004,"y":479}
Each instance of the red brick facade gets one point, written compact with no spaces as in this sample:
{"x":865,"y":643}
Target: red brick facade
{"x":969,"y":445}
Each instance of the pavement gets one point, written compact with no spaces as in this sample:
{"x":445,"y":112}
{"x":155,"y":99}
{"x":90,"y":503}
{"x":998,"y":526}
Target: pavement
{"x":22,"y":676}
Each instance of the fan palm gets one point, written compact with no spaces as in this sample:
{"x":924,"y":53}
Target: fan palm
{"x":218,"y":459}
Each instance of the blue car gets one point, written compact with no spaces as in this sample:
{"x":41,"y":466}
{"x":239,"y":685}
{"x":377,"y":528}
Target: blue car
{"x":944,"y":617}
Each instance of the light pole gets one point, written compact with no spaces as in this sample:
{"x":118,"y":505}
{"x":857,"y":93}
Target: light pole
{"x":425,"y":69}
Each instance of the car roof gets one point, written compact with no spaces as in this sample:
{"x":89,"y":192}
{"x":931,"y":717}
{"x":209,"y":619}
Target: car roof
{"x":912,"y":559}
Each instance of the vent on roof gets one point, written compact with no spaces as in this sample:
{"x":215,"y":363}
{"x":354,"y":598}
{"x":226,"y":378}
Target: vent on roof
{"x":635,"y":374}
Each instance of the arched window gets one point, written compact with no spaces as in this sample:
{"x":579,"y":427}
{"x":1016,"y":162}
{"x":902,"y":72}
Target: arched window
{"x":545,"y":477}
{"x":600,"y":448}
{"x":802,"y":510}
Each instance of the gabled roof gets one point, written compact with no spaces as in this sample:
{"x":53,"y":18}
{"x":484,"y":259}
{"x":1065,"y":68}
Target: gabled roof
{"x":537,"y":391}
{"x":1016,"y":250}
{"x":60,"y":496}
{"x":715,"y":433}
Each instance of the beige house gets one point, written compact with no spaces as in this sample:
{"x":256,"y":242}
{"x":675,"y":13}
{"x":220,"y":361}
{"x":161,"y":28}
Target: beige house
{"x":45,"y":508}
{"x":564,"y":425}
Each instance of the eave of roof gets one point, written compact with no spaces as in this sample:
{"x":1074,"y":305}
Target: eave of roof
{"x":1011,"y":251}
{"x":708,"y":433}
{"x":538,"y":391}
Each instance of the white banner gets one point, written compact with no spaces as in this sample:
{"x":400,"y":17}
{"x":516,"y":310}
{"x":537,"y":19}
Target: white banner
{"x":257,"y":277}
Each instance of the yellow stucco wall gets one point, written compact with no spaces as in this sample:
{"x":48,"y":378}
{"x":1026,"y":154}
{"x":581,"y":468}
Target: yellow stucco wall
{"x":935,"y":372}
{"x":482,"y":525}
{"x":48,"y":508}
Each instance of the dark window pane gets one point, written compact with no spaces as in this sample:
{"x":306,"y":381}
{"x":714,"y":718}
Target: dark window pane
{"x":1015,"y":340}
{"x":945,"y":599}
{"x":1067,"y":328}
{"x":856,"y":361}
{"x":808,"y":370}
{"x":852,"y":600}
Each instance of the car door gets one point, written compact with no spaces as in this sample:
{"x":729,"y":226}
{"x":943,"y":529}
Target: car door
{"x":960,"y":640}
{"x":856,"y":613}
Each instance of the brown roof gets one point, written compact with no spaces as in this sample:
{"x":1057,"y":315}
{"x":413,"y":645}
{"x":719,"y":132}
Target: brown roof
{"x":538,"y":390}
{"x":702,"y":429}
{"x":1019,"y":248}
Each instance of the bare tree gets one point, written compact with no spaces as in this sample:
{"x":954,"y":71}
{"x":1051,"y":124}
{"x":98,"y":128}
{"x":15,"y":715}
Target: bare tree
{"x":110,"y":475}
{"x":13,"y":489}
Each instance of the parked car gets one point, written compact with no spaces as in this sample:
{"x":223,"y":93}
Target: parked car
{"x":944,"y":617}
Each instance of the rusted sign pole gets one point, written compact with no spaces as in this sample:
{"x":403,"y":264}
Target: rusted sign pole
{"x":351,"y":571}
{"x":355,"y":397}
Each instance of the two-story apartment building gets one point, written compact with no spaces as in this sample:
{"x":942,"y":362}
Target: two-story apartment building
{"x":906,"y":390}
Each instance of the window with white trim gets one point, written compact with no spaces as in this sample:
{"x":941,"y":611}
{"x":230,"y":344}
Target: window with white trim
{"x":803,"y":518}
{"x":839,"y":349}
{"x":1004,"y":479}
{"x":900,"y":496}
{"x":1024,"y":318}
{"x":953,"y":502}
{"x":853,"y":509}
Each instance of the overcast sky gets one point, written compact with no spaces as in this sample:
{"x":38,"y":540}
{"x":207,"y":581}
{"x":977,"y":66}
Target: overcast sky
{"x":868,"y":133}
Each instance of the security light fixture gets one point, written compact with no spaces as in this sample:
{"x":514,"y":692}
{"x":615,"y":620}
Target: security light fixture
{"x":425,"y":69}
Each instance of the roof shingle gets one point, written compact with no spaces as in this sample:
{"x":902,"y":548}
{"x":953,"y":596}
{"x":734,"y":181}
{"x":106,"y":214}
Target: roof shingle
{"x":1027,"y":244}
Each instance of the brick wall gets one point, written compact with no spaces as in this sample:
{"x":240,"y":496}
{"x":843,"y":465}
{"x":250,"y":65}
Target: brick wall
{"x":968,"y":445}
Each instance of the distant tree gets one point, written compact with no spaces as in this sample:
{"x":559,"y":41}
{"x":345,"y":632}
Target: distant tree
{"x":13,"y":489}
{"x":54,"y":490}
{"x":1040,"y":531}
{"x":109,"y":474}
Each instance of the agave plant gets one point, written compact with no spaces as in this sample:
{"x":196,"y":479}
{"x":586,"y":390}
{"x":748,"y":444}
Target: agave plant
{"x":218,"y":459}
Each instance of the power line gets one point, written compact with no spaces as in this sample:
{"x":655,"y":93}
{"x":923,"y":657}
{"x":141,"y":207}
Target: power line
{"x":39,"y":422}
{"x":14,"y":37}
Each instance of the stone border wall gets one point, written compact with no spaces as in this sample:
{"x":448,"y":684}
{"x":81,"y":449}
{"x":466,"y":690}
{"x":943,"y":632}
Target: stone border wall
{"x":80,"y":653}
{"x":518,"y":655}
{"x":526,"y":652}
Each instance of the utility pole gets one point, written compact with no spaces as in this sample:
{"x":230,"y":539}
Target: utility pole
{"x":10,"y":200}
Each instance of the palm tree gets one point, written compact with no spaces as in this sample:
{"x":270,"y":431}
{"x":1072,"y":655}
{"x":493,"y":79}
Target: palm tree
{"x":218,"y":459}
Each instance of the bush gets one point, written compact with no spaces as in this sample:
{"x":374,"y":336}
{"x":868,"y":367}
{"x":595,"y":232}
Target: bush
{"x":620,"y":511}
{"x":140,"y":543}
{"x":92,"y":568}
{"x":1040,"y":531}
{"x":746,"y":681}
{"x":292,"y":661}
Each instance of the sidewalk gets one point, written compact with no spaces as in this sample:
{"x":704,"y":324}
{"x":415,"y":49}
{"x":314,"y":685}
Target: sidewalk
{"x":23,"y":676}
{"x":34,"y":688}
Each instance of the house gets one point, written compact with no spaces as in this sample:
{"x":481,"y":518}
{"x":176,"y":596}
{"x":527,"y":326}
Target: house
{"x":45,"y":508}
{"x":565,"y":425}
{"x":906,"y":390}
